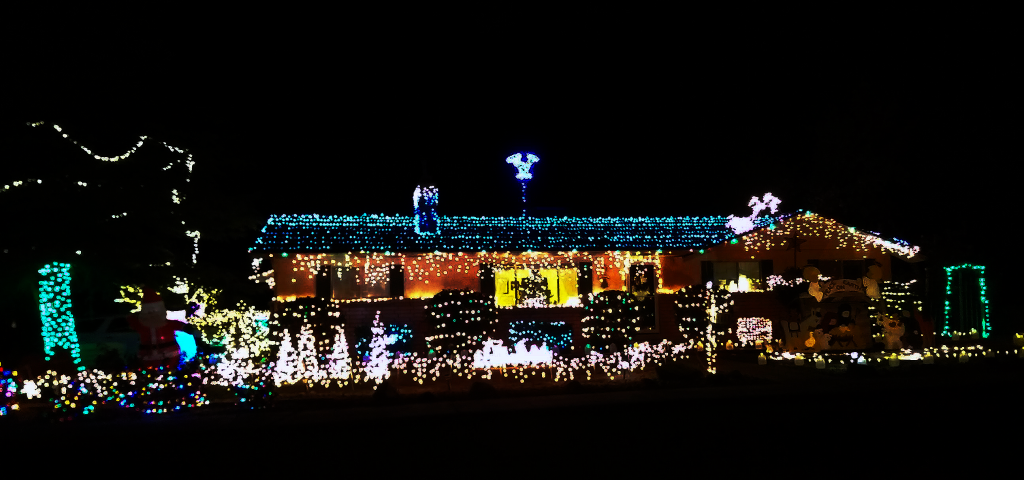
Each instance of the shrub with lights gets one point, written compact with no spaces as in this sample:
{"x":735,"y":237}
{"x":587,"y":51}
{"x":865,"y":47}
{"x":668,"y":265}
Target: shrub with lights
{"x":691,"y":312}
{"x":612,"y":316}
{"x":461,"y":318}
{"x":698,"y":313}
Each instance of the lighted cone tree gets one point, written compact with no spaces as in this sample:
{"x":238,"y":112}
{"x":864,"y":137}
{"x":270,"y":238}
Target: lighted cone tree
{"x":286,"y":369}
{"x":309,"y":365}
{"x":612,"y":316}
{"x":339,"y":366}
{"x":377,"y":368}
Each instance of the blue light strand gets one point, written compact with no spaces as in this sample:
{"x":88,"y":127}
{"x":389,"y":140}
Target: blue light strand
{"x":551,"y":333}
{"x":398,"y":233}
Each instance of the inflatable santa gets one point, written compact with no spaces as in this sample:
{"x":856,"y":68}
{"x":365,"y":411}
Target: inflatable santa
{"x":157,"y":346}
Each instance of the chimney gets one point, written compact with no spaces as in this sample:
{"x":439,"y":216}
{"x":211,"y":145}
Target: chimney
{"x":424,"y":204}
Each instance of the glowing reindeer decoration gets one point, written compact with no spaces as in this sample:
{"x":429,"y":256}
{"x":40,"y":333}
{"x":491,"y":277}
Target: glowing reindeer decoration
{"x":745,"y":224}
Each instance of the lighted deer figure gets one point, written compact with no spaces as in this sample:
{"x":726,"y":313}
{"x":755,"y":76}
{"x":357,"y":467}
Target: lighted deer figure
{"x":523,"y":170}
{"x":745,"y":224}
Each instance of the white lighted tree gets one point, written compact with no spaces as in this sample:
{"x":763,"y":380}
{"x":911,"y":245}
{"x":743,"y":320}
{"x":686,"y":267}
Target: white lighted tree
{"x":309,"y":365}
{"x":286,"y":369}
{"x":377,"y":368}
{"x":339,"y":365}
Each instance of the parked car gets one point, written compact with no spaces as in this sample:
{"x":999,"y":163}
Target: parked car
{"x":105,"y":340}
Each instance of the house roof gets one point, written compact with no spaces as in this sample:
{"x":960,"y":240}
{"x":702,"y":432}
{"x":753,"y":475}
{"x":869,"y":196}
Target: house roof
{"x":320,"y":233}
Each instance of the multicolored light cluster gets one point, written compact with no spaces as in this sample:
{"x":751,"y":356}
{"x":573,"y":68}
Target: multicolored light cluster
{"x":8,"y":391}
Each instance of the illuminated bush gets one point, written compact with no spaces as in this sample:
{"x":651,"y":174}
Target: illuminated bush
{"x":693,"y":309}
{"x":461,"y":319}
{"x":699,"y":313}
{"x":612,"y":316}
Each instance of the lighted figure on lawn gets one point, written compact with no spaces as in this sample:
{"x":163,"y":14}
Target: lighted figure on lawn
{"x":871,"y":280}
{"x":813,"y":275}
{"x":495,"y":354}
{"x":157,"y":343}
{"x":523,"y":170}
{"x":892,"y":331}
{"x":839,"y":327}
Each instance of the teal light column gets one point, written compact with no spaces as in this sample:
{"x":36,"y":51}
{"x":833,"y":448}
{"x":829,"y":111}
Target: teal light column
{"x":55,"y":312}
{"x":966,"y":305}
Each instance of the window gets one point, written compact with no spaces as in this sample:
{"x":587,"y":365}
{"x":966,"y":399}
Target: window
{"x":642,"y":281}
{"x":737,"y":276}
{"x":396,"y":281}
{"x":535,"y":287}
{"x":852,"y":269}
{"x":345,"y":282}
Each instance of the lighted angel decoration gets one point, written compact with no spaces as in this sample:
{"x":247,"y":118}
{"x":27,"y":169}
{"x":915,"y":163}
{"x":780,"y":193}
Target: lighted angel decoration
{"x":523,"y":168}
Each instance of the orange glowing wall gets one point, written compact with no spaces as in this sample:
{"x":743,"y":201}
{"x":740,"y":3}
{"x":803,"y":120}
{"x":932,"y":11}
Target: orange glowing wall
{"x":426,"y":274}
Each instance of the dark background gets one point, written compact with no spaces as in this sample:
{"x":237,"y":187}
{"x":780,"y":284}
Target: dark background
{"x":909,"y":139}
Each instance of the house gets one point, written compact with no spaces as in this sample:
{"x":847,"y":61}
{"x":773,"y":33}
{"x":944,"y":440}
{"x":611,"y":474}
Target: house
{"x":543,"y":269}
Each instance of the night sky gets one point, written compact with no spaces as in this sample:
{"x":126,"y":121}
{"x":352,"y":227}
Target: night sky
{"x":911,"y":144}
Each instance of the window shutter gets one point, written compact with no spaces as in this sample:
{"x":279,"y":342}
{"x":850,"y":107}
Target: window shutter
{"x":396,"y":281}
{"x":767,"y":270}
{"x":585,"y":279}
{"x":323,"y":282}
{"x":486,"y":274}
{"x":707,"y":272}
